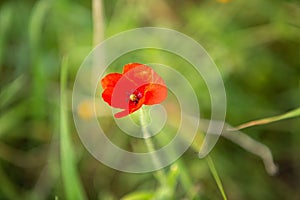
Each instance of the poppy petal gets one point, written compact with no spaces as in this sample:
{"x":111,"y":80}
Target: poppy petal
{"x":121,"y":93}
{"x":122,"y":114}
{"x":110,"y":96}
{"x":135,"y":106}
{"x":114,"y":99}
{"x":107,"y":94}
{"x":141,"y":75}
{"x":130,"y":66}
{"x":110,"y":80}
{"x":155,"y":94}
{"x":132,"y":107}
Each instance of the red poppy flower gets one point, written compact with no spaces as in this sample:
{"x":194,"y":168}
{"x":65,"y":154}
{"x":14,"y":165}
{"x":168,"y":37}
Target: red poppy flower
{"x":138,"y":85}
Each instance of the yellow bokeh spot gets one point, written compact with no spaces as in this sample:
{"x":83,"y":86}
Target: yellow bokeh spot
{"x":85,"y":109}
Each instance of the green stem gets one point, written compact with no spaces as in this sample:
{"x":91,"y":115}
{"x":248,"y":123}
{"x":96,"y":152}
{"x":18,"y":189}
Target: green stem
{"x":159,"y":174}
{"x":290,"y":114}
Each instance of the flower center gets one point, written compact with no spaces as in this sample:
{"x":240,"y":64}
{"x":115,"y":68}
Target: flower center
{"x":133,"y":97}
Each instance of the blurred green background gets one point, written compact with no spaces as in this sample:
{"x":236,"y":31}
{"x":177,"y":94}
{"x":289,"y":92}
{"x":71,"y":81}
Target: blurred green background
{"x":255,"y":44}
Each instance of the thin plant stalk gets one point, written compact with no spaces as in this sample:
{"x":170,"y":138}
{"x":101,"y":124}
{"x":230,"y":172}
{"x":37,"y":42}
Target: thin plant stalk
{"x":98,"y":22}
{"x":215,"y":174}
{"x":288,"y":115}
{"x":160,"y":175}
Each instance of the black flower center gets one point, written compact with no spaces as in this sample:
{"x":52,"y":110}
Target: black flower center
{"x":135,"y":96}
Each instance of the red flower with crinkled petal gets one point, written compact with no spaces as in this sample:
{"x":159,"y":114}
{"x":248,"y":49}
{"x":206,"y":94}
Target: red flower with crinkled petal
{"x":138,"y":85}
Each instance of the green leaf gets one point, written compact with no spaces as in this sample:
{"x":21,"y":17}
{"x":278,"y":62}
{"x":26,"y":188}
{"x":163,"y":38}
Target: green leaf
{"x":173,"y":176}
{"x":6,"y":14}
{"x":12,"y":118}
{"x":10,"y":91}
{"x":140,"y":195}
{"x":71,"y":180}
{"x":195,"y":146}
{"x":39,"y":79}
{"x":37,"y":21}
{"x":215,"y":174}
{"x":186,"y":181}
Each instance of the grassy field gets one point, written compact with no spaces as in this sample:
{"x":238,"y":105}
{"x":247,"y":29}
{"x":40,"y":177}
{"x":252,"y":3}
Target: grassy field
{"x":255,"y":45}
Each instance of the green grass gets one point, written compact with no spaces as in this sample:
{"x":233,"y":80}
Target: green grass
{"x":71,"y":180}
